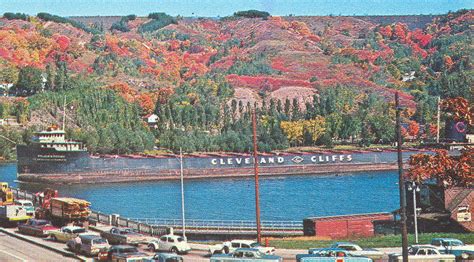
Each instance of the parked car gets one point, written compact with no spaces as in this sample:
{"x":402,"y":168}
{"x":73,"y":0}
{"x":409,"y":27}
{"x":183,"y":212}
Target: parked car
{"x":165,"y":257}
{"x":356,"y":250}
{"x":27,"y":205}
{"x":423,"y":252}
{"x":246,"y":254}
{"x":173,"y":243}
{"x":330,"y":255}
{"x":125,"y":253}
{"x":231,"y":246}
{"x":66,"y":233}
{"x":36,"y":227}
{"x":124,"y":236}
{"x":454,"y":246}
{"x":88,"y":244}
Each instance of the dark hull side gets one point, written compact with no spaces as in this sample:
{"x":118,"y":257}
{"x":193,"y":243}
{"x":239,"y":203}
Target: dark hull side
{"x":38,"y":164}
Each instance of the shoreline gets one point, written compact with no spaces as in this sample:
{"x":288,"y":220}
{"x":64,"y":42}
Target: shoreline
{"x":127,"y":176}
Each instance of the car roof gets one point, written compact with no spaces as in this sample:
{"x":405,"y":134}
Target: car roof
{"x":246,"y":249}
{"x":329,"y":249}
{"x":167,"y":255}
{"x":170,"y":235}
{"x":445,"y":239}
{"x":23,"y":201}
{"x":122,"y":246}
{"x":72,"y":227}
{"x":89,"y":236}
{"x":245,"y":241}
{"x":346,"y":243}
{"x":423,"y":246}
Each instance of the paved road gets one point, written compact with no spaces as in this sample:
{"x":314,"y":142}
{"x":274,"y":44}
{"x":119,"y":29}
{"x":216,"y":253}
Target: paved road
{"x":13,"y":249}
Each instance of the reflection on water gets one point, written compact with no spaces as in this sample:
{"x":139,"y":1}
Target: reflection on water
{"x":282,"y":198}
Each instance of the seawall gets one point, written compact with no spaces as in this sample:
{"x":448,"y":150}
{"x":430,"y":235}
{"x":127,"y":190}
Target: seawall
{"x":134,"y":175}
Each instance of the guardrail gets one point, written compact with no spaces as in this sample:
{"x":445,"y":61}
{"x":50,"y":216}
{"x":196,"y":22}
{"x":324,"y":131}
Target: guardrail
{"x":226,"y":225}
{"x":159,"y":226}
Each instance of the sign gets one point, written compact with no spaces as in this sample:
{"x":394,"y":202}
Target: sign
{"x":280,"y":160}
{"x":464,"y":214}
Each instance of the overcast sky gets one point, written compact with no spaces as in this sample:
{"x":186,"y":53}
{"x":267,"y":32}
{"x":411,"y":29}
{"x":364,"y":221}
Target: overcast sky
{"x":214,"y":8}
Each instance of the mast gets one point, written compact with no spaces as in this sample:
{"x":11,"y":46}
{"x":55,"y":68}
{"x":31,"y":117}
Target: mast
{"x":257,"y":194}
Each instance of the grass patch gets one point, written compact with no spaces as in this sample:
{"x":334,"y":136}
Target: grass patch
{"x":373,"y":242}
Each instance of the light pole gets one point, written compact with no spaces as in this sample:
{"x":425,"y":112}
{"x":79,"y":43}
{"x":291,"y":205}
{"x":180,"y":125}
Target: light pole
{"x":182,"y":191}
{"x":414,"y":188}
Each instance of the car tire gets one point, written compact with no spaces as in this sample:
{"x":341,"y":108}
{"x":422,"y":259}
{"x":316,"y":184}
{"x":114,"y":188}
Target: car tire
{"x":174,"y":250}
{"x":226,"y":250}
{"x":152,"y":248}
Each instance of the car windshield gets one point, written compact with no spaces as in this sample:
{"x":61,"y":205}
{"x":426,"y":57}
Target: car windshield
{"x":412,"y":251}
{"x":27,"y":204}
{"x":455,"y":243}
{"x":99,"y":241}
{"x":41,"y":223}
{"x":174,"y":259}
{"x":180,"y":239}
{"x":256,"y":244}
{"x":79,"y":230}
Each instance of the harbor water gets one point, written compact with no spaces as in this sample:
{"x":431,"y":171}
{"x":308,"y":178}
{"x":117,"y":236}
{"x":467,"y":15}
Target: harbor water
{"x":282,"y":198}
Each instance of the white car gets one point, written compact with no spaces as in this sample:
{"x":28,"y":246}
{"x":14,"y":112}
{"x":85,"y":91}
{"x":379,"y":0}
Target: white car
{"x":173,"y":243}
{"x":423,"y":252}
{"x":356,"y":250}
{"x":231,"y":246}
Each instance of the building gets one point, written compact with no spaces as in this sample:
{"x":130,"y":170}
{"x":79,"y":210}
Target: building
{"x":151,"y":120}
{"x":5,"y":88}
{"x":337,"y":227}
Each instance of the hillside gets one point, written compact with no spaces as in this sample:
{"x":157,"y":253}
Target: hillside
{"x":166,"y":64}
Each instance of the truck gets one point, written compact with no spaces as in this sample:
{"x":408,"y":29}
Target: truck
{"x":6,"y":194}
{"x":125,"y":236}
{"x":10,"y":215}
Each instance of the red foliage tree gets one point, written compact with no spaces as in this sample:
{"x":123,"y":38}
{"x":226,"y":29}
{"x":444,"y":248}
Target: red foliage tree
{"x":413,"y":129}
{"x":448,"y":170}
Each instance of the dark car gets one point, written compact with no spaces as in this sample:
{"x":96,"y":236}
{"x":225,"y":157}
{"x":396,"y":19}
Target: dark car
{"x":124,"y":253}
{"x":37,"y":227}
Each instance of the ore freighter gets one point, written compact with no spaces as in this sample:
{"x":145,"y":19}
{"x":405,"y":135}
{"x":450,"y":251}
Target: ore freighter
{"x":51,"y":158}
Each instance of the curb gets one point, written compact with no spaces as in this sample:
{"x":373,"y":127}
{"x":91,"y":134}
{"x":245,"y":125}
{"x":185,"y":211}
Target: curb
{"x":62,"y":252}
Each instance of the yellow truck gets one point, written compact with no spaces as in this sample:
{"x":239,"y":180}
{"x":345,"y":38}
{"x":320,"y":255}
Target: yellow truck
{"x":6,"y":194}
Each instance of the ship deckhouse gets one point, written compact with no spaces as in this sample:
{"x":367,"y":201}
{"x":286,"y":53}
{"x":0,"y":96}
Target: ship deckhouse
{"x":56,"y":138}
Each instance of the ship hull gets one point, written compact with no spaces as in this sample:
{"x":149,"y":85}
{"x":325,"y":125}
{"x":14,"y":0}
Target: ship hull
{"x":50,"y":166}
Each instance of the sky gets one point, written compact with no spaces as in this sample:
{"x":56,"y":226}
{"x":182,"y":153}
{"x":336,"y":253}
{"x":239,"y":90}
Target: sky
{"x":216,"y":8}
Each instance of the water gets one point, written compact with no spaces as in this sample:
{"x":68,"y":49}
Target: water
{"x":281,"y":198}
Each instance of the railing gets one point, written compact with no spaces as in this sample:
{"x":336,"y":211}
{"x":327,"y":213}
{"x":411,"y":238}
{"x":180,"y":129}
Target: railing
{"x":158,"y":226}
{"x":225,"y":225}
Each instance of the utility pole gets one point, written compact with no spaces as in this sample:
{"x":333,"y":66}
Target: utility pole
{"x":401,"y":184}
{"x":255,"y":156}
{"x":182,"y":191}
{"x":64,"y":114}
{"x":438,"y":120}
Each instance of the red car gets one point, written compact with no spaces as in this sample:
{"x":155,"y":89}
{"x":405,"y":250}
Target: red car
{"x":37,"y":227}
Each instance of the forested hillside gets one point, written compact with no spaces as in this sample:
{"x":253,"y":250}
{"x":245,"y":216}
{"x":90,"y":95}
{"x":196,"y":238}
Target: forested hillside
{"x":313,"y":80}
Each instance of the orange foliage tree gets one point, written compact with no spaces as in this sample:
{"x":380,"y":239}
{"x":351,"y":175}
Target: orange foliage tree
{"x":460,"y":108}
{"x":448,"y":170}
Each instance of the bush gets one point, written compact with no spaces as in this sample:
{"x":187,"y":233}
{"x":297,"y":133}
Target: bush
{"x":122,"y":25}
{"x":252,"y":14}
{"x":12,"y":16}
{"x":159,"y":21}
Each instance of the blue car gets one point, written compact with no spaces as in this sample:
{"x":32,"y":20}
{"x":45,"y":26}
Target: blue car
{"x":330,"y":255}
{"x":454,"y":246}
